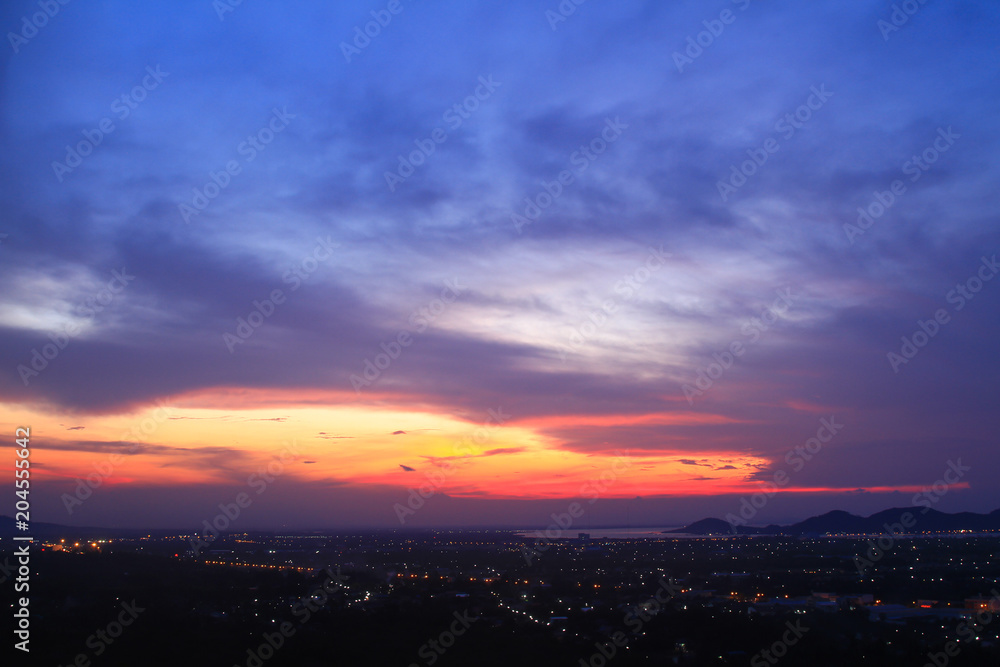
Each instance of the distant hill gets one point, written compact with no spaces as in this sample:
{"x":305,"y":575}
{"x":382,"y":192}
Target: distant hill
{"x":705,"y":527}
{"x":37,"y":529}
{"x":840,"y":522}
{"x":41,"y":530}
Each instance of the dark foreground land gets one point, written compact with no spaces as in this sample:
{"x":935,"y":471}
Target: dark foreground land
{"x":484,"y":599}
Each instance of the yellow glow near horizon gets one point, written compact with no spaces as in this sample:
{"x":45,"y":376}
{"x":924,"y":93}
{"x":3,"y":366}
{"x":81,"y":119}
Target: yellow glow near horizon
{"x":209,"y":437}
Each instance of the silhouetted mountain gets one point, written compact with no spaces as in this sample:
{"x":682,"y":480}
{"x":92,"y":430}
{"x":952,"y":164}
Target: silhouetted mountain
{"x":921,"y":520}
{"x":41,"y":530}
{"x":38,"y":529}
{"x":706,"y":527}
{"x":837,"y":521}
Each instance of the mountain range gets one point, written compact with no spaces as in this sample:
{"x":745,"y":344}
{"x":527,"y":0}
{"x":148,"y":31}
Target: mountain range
{"x":837,"y":522}
{"x":919,"y":520}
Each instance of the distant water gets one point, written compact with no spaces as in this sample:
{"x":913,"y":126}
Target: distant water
{"x":601,"y":533}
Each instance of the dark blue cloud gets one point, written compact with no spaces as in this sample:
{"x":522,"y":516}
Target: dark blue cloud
{"x":323,"y":176}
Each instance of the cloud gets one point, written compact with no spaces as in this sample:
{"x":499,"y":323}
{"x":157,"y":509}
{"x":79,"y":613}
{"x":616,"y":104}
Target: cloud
{"x":511,"y":338}
{"x":500,"y":451}
{"x":503,"y":450}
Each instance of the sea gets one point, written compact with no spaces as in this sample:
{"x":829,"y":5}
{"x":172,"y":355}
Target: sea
{"x":612,"y":533}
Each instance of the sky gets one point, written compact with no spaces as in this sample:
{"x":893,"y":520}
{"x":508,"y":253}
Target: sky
{"x":402,"y":264}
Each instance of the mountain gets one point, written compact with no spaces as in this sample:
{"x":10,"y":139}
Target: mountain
{"x":837,"y":521}
{"x":706,"y":527}
{"x":38,"y":529}
{"x":41,"y":530}
{"x":920,"y":520}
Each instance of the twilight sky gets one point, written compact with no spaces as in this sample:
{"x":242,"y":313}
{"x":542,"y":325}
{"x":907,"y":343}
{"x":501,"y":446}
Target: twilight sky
{"x":499,"y":255}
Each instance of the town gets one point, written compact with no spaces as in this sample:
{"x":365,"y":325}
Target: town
{"x":721,"y":600}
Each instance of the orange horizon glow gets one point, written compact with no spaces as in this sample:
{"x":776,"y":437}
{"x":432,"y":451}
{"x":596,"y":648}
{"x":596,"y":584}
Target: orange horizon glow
{"x":222,"y":436}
